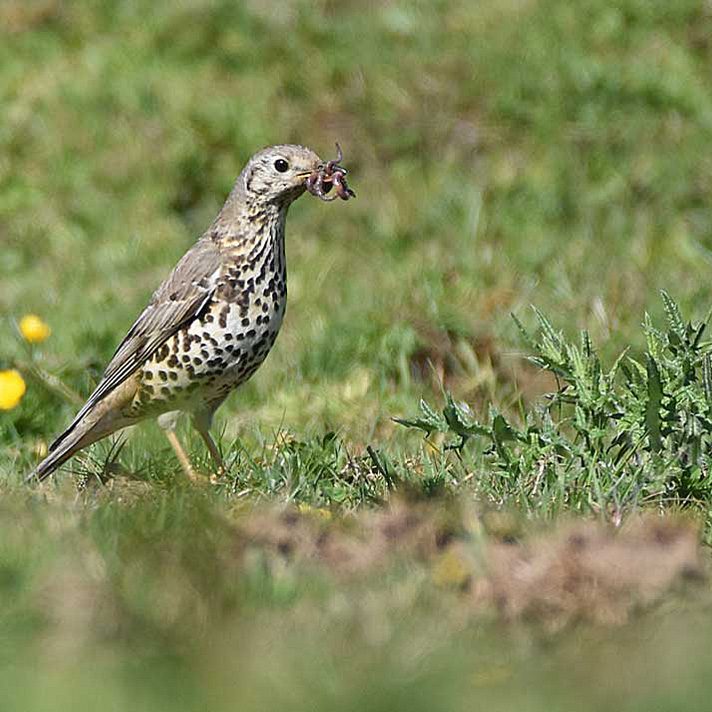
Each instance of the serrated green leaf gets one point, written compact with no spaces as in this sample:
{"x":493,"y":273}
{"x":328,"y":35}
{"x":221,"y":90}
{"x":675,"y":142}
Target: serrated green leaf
{"x":618,"y":364}
{"x":699,"y":332}
{"x":430,"y":421}
{"x":674,"y":318}
{"x":652,"y":410}
{"x":707,"y":379}
{"x":460,"y":420}
{"x":526,"y":336}
{"x":502,"y":430}
{"x":551,"y":343}
{"x":428,"y":413}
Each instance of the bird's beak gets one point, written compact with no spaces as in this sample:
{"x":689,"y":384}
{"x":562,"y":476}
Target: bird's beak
{"x":304,"y":174}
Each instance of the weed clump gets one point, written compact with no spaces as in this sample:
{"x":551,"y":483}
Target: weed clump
{"x":609,"y":438}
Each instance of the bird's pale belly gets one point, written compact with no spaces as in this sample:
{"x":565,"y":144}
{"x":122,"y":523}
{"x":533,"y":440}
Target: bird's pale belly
{"x":203,"y":362}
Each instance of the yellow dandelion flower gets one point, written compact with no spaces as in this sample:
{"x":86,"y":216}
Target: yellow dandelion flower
{"x":33,"y":329}
{"x":12,"y":388}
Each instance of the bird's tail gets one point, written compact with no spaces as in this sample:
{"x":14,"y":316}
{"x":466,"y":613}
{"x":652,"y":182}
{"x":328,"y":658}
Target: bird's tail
{"x":85,"y":430}
{"x":54,"y":459}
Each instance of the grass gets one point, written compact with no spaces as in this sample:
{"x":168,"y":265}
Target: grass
{"x":504,"y":154}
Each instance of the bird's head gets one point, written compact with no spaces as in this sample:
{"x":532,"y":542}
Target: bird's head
{"x":278,"y":174}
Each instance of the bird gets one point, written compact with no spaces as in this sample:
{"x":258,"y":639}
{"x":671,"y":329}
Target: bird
{"x":210,"y":325}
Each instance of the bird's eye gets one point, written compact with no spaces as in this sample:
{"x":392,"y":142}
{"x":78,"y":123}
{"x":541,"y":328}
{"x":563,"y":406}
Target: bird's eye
{"x":281,"y":165}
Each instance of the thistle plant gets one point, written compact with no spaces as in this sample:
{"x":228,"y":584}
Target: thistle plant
{"x":610,"y":437}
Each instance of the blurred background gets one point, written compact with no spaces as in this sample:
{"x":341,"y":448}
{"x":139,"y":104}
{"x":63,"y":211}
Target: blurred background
{"x":504,"y":154}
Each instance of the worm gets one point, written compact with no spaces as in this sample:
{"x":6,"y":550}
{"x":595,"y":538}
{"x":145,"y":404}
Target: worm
{"x":329,"y":174}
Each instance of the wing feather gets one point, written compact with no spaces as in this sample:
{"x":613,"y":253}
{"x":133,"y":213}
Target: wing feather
{"x":180,"y":299}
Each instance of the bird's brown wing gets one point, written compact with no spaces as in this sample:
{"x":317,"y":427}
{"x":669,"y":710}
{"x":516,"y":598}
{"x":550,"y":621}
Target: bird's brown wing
{"x":179,"y":300}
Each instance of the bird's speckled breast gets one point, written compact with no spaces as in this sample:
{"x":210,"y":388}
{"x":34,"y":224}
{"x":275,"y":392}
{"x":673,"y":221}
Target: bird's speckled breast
{"x":220,"y":349}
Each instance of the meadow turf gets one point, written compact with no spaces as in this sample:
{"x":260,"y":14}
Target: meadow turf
{"x":504,"y":154}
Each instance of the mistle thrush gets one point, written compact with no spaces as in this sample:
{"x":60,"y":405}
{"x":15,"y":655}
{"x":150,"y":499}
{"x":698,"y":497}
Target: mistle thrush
{"x":211,"y":324}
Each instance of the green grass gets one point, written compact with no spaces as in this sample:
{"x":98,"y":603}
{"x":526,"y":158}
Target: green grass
{"x":504,"y":154}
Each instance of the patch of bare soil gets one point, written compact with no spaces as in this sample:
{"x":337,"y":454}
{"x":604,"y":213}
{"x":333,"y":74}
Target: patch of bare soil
{"x":578,"y":571}
{"x":588,"y":571}
{"x":351,"y":546}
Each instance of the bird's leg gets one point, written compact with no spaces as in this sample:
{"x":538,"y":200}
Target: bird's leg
{"x":167,"y":423}
{"x":202,"y":421}
{"x":182,"y":456}
{"x":214,"y":452}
